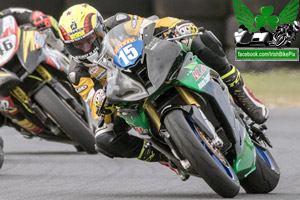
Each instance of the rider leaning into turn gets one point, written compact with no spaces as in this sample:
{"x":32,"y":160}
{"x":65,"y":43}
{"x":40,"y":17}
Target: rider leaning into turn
{"x":40,"y":21}
{"x":82,"y":29}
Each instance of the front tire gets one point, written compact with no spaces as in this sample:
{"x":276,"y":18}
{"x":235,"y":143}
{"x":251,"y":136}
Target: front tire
{"x":67,"y":120}
{"x":266,"y":175}
{"x":205,"y":164}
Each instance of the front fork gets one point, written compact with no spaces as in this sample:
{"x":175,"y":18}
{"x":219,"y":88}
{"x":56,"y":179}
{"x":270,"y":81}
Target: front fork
{"x":187,"y":97}
{"x":155,"y":118}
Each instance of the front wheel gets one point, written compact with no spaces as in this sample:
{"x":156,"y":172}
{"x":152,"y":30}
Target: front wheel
{"x":211,"y":166}
{"x":68,"y":121}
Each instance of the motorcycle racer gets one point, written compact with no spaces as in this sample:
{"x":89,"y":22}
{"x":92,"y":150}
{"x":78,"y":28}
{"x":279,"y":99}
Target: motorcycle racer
{"x":82,"y":29}
{"x":9,"y":114}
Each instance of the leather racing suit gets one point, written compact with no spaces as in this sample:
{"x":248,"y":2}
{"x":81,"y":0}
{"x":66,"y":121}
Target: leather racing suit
{"x":112,"y":139}
{"x":9,"y":112}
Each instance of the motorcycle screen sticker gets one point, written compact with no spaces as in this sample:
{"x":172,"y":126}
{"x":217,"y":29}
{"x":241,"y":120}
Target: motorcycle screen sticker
{"x":128,"y":53}
{"x":7,"y":48}
{"x":276,"y":31}
{"x":201,"y":73}
{"x":204,"y":81}
{"x":195,"y":76}
{"x":9,"y":39}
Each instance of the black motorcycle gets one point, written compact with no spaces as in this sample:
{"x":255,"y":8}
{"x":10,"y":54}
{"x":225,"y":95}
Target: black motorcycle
{"x":183,"y":109}
{"x":34,"y":76}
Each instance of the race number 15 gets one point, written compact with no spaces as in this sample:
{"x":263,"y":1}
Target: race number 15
{"x":128,"y":53}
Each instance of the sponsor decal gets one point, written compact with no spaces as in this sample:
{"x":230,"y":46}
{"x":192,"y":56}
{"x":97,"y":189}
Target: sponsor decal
{"x":141,"y":130}
{"x":81,"y":88}
{"x":134,"y":21}
{"x":40,"y":39}
{"x":204,"y":81}
{"x":152,"y":44}
{"x":101,"y":74}
{"x":73,"y":26}
{"x":4,"y":105}
{"x":121,"y":17}
{"x":88,"y":54}
{"x":93,"y":70}
{"x":198,"y":72}
{"x":99,"y":97}
{"x":130,"y":40}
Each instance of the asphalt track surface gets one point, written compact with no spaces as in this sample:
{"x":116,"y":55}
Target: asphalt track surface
{"x":36,"y":170}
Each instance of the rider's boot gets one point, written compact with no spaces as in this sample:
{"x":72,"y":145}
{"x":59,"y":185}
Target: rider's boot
{"x":183,"y":176}
{"x":150,"y":154}
{"x":243,"y":96}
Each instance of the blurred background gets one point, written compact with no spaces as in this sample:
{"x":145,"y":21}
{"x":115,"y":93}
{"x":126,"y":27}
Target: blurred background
{"x":280,"y":82}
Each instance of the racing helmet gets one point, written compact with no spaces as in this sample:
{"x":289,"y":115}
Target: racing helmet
{"x":81,"y":27}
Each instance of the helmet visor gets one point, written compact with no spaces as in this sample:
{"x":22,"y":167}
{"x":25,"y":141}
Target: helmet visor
{"x":85,"y":47}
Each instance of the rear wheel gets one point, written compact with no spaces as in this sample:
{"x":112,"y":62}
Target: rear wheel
{"x":208,"y":162}
{"x":68,"y":121}
{"x":266,"y":175}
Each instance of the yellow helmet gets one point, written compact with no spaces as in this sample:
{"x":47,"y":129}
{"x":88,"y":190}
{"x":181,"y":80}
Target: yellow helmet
{"x":81,"y":27}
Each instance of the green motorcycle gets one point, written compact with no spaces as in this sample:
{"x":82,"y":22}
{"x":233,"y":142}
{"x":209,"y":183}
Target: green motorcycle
{"x":183,"y":109}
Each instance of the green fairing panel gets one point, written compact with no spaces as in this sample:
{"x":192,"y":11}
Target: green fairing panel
{"x":137,"y":120}
{"x":244,"y":164}
{"x":194,"y":74}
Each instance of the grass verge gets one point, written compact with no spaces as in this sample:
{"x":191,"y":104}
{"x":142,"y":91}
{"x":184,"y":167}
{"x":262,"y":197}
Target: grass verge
{"x":276,"y":88}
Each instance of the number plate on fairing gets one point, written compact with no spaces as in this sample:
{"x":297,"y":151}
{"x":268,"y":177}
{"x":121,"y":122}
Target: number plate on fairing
{"x":7,"y":48}
{"x":8,"y":39}
{"x":128,"y":52}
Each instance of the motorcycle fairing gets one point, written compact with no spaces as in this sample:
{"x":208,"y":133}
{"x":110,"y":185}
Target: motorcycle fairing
{"x":121,"y":87}
{"x":206,"y":82}
{"x":245,"y":162}
{"x":159,"y":61}
{"x":9,"y":38}
{"x":193,"y":73}
{"x":29,"y":52}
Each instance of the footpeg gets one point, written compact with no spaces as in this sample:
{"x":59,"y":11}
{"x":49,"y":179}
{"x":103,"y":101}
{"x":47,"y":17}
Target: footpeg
{"x":260,"y":130}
